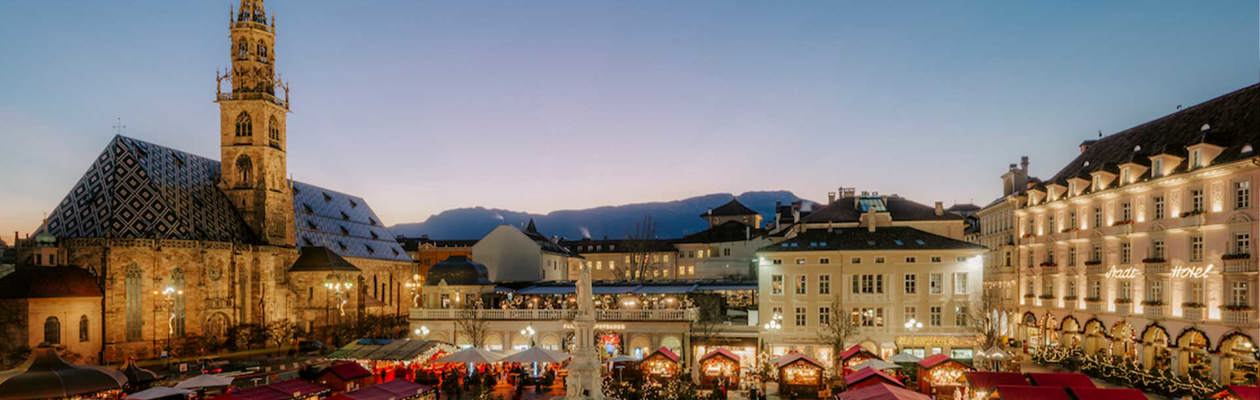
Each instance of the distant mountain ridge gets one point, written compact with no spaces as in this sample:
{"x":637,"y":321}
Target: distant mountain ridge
{"x":673,"y":219}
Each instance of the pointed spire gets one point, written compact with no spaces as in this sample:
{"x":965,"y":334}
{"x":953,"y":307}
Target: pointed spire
{"x":530,"y":227}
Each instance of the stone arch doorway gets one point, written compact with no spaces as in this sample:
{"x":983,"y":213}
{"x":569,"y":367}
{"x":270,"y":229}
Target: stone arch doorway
{"x":1032,"y":333}
{"x":1238,"y":362}
{"x":1155,"y":353}
{"x":1194,"y":357}
{"x":1122,"y":343}
{"x":1070,"y":329}
{"x":216,"y":325}
{"x":1095,"y":336}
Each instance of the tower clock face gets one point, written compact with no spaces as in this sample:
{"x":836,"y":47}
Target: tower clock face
{"x":215,"y":272}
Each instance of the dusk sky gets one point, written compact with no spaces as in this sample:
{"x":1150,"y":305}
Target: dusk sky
{"x":422,"y":106}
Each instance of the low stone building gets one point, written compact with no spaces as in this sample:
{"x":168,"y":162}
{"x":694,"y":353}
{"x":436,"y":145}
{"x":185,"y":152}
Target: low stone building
{"x":58,"y":306}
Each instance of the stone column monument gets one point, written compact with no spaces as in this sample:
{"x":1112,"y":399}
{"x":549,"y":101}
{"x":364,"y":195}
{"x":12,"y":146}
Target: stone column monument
{"x":584,"y":381}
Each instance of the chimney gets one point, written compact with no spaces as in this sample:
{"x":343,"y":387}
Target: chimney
{"x":940,"y":208}
{"x":1023,"y":164}
{"x":831,"y":197}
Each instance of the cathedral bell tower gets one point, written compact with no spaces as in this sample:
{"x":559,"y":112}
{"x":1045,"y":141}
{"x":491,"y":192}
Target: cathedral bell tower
{"x":252,"y":128}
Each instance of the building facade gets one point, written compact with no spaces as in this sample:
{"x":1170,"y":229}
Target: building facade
{"x":513,"y":254}
{"x":1142,"y":247}
{"x":884,"y":263}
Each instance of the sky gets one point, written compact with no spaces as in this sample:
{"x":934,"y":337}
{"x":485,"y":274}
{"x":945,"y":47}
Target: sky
{"x":423,"y":106}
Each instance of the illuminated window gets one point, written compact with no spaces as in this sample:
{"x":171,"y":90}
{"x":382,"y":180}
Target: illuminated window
{"x":1242,"y":194}
{"x":1158,"y":202}
{"x":1240,"y":294}
{"x":960,"y":316}
{"x":1242,"y":243}
{"x":1155,"y":291}
{"x":960,"y":283}
{"x":776,"y":284}
{"x":802,"y":284}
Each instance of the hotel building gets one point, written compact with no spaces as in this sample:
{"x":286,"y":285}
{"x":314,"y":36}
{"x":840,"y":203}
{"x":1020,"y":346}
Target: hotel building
{"x":1141,"y":247}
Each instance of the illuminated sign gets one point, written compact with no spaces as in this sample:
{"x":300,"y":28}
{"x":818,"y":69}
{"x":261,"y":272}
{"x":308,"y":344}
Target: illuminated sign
{"x":602,"y":327}
{"x":1122,"y":273}
{"x":1191,"y":272}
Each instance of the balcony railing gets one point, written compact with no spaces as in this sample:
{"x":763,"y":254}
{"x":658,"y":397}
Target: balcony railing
{"x":1160,"y":267}
{"x":1154,"y":311}
{"x":531,"y":314}
{"x":253,"y":96}
{"x":1193,"y":312}
{"x":1239,"y":317}
{"x":1239,"y":265}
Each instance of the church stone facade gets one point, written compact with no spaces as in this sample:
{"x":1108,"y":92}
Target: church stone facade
{"x":185,"y":246}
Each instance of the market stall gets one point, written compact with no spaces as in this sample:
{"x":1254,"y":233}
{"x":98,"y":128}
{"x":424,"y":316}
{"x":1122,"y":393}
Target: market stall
{"x":941,"y":375}
{"x":855,"y":355}
{"x":799,"y":375}
{"x":1030,"y":393}
{"x":44,"y":374}
{"x":390,"y":359}
{"x":1235,"y":392}
{"x":987,"y":382}
{"x":719,"y":367}
{"x":660,"y":365}
{"x":867,"y":377}
{"x":293,"y":389}
{"x":394,"y":390}
{"x":882,"y":392}
{"x":1061,"y":379}
{"x":1106,"y":394}
{"x":344,"y":376}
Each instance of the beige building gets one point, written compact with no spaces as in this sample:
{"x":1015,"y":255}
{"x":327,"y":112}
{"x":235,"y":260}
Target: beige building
{"x":727,"y":249}
{"x":512,"y":254}
{"x":997,"y":232}
{"x":1142,"y":247}
{"x":59,"y":306}
{"x":881,"y":261}
{"x":628,"y":259}
{"x":207,"y":244}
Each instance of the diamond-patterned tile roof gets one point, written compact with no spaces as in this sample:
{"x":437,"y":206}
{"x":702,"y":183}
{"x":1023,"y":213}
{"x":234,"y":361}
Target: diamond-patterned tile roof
{"x":343,"y":223}
{"x":139,"y":190}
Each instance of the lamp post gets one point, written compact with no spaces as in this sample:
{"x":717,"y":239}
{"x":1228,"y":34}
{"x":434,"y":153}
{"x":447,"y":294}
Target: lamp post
{"x":529,"y":332}
{"x":775,"y":324}
{"x":338,"y":287}
{"x":414,"y":285}
{"x":169,"y":294}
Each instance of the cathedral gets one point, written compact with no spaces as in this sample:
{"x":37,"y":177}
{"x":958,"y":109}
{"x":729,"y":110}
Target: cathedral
{"x":183,"y":246}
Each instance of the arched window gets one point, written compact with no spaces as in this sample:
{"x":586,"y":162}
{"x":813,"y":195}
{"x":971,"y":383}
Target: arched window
{"x":52,"y":331}
{"x":177,"y":324}
{"x":83,"y":329}
{"x":273,"y":129}
{"x":262,"y":51}
{"x":244,"y":126}
{"x":134,"y":295}
{"x":245,"y":171}
{"x":242,"y":50}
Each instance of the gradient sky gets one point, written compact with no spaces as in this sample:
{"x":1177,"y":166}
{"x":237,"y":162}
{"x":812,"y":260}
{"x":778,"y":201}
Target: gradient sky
{"x":421,"y":106}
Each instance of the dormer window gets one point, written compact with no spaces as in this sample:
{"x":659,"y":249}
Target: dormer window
{"x":1072,"y":188}
{"x":1157,"y":167}
{"x":1124,"y":175}
{"x":1196,"y":158}
{"x":1098,"y":183}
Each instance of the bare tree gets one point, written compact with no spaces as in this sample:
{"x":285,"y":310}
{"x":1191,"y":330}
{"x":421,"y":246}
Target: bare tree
{"x":473,"y":327}
{"x":280,"y":332}
{"x":979,"y":318}
{"x":641,"y":246}
{"x":837,"y":331}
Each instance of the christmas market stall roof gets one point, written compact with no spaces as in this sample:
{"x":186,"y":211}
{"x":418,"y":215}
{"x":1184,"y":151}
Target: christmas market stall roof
{"x":138,"y":376}
{"x":794,"y":357}
{"x":856,"y":350}
{"x":285,"y":390}
{"x":397,"y":389}
{"x":882,"y":392}
{"x":990,"y":380}
{"x":666,"y":352}
{"x":347,"y":371}
{"x":49,"y":282}
{"x":1031,"y":393}
{"x":388,"y":349}
{"x":45,"y":375}
{"x":1060,"y":379}
{"x":1106,"y":394}
{"x":721,"y":351}
{"x":934,"y":360}
{"x":868,"y":373}
{"x":1239,"y":392}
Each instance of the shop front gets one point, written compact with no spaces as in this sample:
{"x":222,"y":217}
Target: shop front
{"x":799,"y":375}
{"x":1238,"y":359}
{"x":1069,"y":332}
{"x":1095,"y":337}
{"x":1122,"y":342}
{"x":719,"y":368}
{"x":1194,"y":358}
{"x":1155,"y":353}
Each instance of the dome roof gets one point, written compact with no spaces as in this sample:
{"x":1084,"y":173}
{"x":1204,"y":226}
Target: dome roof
{"x":457,"y":270}
{"x":45,"y":375}
{"x":49,"y":282}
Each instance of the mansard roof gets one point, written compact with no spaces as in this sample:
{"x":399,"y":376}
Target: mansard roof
{"x":1233,"y":120}
{"x":730,"y":209}
{"x":883,"y":238}
{"x":850,"y":209}
{"x":729,"y":231}
{"x":140,"y":190}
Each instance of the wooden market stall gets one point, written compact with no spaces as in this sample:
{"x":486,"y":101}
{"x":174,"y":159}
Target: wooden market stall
{"x":882,"y":392}
{"x":987,"y":382}
{"x":293,"y":389}
{"x":800,"y":375}
{"x":717,"y":367}
{"x":941,"y":375}
{"x":1080,"y":393}
{"x":345,"y":376}
{"x":390,"y":359}
{"x":855,"y":355}
{"x":394,"y":390}
{"x":1061,"y":379}
{"x":45,"y":374}
{"x":660,"y":365}
{"x":1031,"y":393}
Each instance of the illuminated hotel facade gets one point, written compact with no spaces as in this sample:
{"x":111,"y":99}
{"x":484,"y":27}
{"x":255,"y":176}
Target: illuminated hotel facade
{"x":1142,"y":247}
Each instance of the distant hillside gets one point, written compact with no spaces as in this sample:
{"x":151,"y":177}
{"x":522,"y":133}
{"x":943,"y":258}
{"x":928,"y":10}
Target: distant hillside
{"x":673,"y":218}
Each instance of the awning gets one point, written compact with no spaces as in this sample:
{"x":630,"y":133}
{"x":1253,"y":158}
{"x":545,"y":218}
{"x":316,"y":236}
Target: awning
{"x":544,"y":290}
{"x":989,"y":380}
{"x":1107,"y":394}
{"x":387,"y":350}
{"x":1061,"y":379}
{"x":724,"y":287}
{"x":393,"y":390}
{"x":668,"y":289}
{"x":1032,"y":393}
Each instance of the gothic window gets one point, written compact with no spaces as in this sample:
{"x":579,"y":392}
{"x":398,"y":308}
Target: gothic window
{"x":83,"y":329}
{"x":135,"y":314}
{"x":52,"y":331}
{"x":244,"y":126}
{"x":273,"y":130}
{"x":242,"y":50}
{"x":262,"y":52}
{"x":245,"y":170}
{"x":177,"y":324}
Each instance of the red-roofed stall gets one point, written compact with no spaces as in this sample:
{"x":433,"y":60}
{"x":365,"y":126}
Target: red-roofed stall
{"x":1031,"y":393}
{"x":855,"y":355}
{"x":393,"y":390}
{"x":869,"y":376}
{"x":799,"y":374}
{"x":882,"y":392}
{"x":661,"y":364}
{"x":941,"y":375}
{"x":989,"y":381}
{"x":345,"y":376}
{"x":1061,"y":379}
{"x":1106,"y":394}
{"x":1236,"y":392}
{"x":717,"y":367}
{"x":293,"y":389}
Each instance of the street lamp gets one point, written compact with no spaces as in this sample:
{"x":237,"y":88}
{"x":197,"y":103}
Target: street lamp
{"x":529,"y":332}
{"x":913,"y":325}
{"x":414,"y":285}
{"x":169,"y":293}
{"x":422,"y":331}
{"x":340,"y":286}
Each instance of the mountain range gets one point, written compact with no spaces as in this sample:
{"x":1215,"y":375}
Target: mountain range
{"x":672,"y":219}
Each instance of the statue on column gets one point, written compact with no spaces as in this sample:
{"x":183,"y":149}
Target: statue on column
{"x":584,"y":381}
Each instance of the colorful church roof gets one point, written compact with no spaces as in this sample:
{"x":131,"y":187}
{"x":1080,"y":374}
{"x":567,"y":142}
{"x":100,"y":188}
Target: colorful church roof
{"x":140,"y":190}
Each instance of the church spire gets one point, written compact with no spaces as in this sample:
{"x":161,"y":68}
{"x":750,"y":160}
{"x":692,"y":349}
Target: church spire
{"x":252,"y":11}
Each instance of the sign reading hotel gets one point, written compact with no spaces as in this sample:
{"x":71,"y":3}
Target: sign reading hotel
{"x":1191,"y":272}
